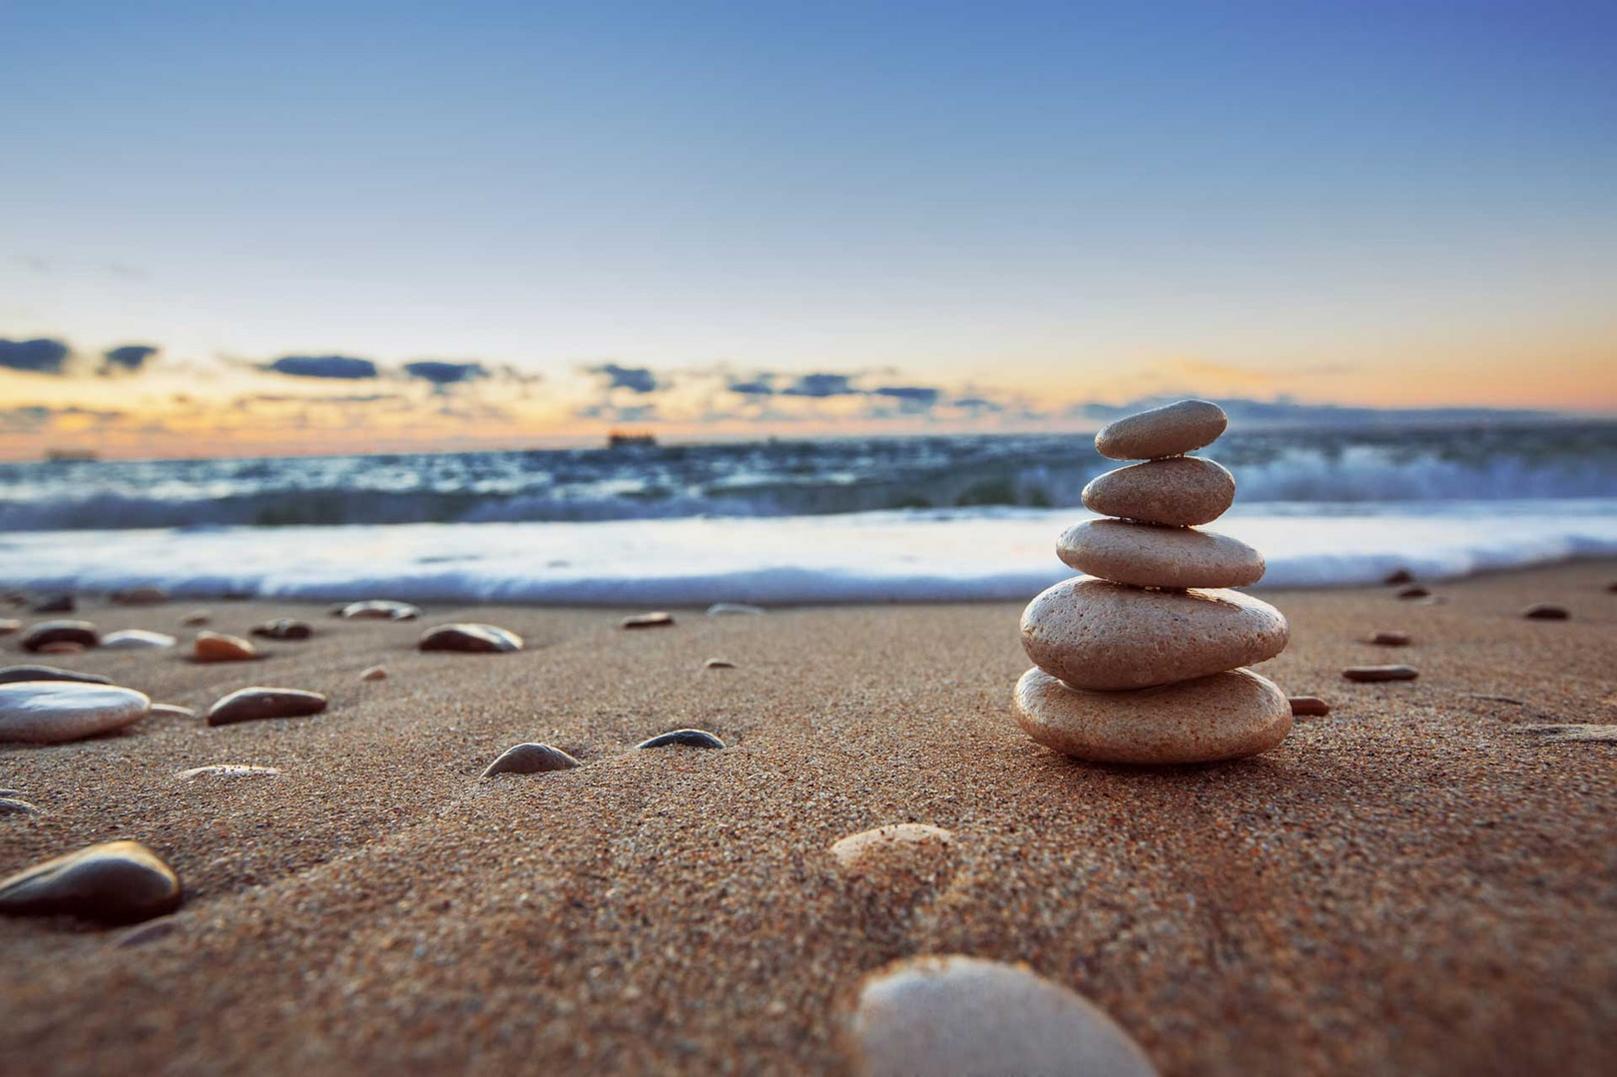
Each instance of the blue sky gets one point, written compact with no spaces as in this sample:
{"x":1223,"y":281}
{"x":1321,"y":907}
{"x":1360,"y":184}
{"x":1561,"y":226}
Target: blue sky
{"x":1067,"y":200}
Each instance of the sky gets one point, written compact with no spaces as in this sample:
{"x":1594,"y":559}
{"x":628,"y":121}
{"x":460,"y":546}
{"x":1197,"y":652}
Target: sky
{"x":296,"y":227}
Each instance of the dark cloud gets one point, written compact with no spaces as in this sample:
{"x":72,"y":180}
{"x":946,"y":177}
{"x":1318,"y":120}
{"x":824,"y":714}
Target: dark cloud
{"x":977,"y":403}
{"x":921,"y":396}
{"x":634,"y":379}
{"x":822,"y":385}
{"x":763,"y":385}
{"x":322,"y":366}
{"x":439,"y":372}
{"x":41,"y":356}
{"x":30,"y":418}
{"x":127,"y":359}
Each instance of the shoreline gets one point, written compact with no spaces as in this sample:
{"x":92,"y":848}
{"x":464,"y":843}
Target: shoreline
{"x":1413,"y":882}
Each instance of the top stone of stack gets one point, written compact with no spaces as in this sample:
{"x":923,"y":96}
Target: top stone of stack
{"x":1166,"y":431}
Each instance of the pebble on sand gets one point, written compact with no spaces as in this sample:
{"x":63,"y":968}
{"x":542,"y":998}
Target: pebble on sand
{"x":471,"y":638}
{"x":136,"y":639}
{"x":12,"y":674}
{"x":1391,"y":639}
{"x":965,"y":1015}
{"x":44,"y":633}
{"x":895,"y":849}
{"x":1574,"y":731}
{"x":116,"y":882}
{"x":1371,"y":674}
{"x":50,"y":712}
{"x":1171,"y":430}
{"x":1415,"y":591}
{"x":138,"y":596}
{"x":56,"y":604}
{"x":379,"y":609}
{"x":1398,"y":577}
{"x":1544,"y":611}
{"x":218,"y":647}
{"x":196,"y":619}
{"x":1309,"y":707}
{"x":9,"y":626}
{"x":688,"y":738}
{"x":373,"y":673}
{"x":658,"y":619}
{"x":718,"y":663}
{"x":17,"y":806}
{"x":730,"y":609}
{"x":530,"y":759}
{"x":227,"y":770}
{"x":256,"y":703}
{"x":283,"y":628}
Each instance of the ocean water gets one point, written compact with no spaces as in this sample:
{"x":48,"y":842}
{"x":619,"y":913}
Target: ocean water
{"x":786,"y":522}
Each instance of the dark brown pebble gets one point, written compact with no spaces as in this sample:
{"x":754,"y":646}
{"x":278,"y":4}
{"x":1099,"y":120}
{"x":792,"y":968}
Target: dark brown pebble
{"x":1416,"y":591}
{"x":530,"y":759}
{"x":718,"y":663}
{"x":1401,"y":576}
{"x":138,"y":596}
{"x":114,"y":882}
{"x":12,"y":674}
{"x":1309,"y":706}
{"x":283,"y":628}
{"x":470,"y":638}
{"x":253,"y":704}
{"x":1543,"y":611}
{"x":658,"y":619}
{"x":55,"y":604}
{"x":1391,"y":639}
{"x":1381,"y":673}
{"x":47,"y":632}
{"x":689,"y":738}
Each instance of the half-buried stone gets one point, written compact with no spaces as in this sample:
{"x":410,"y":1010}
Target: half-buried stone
{"x":284,"y":628}
{"x":965,"y":1015}
{"x":687,"y":738}
{"x":254,"y":704}
{"x":1172,"y":430}
{"x":1149,"y":555}
{"x":1182,"y":492}
{"x":45,"y":633}
{"x":530,"y":759}
{"x":116,"y":882}
{"x":1228,"y":715}
{"x":379,"y":609}
{"x":219,"y":647}
{"x":1105,"y":636}
{"x":12,"y":674}
{"x":471,"y":638}
{"x":137,"y":639}
{"x":50,"y":712}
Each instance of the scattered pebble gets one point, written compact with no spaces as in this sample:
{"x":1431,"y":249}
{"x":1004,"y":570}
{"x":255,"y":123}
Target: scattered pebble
{"x":137,"y":639}
{"x":966,"y":1015}
{"x":114,"y":882}
{"x":470,"y":637}
{"x":689,"y":738}
{"x":171,"y":710}
{"x":227,"y":770}
{"x":1544,"y":611}
{"x":914,"y":849}
{"x":1399,"y":577}
{"x":254,"y":704}
{"x":17,"y":806}
{"x":9,"y":626}
{"x":1391,"y":639}
{"x":218,"y":647}
{"x":1595,"y":734}
{"x":731,"y":609}
{"x":12,"y":674}
{"x":378,"y":609}
{"x":374,"y":673}
{"x":50,"y":712}
{"x":1415,"y":591}
{"x":530,"y":759}
{"x":659,"y":619}
{"x":46,"y":633}
{"x":62,"y":646}
{"x":55,"y":604}
{"x":196,"y":619}
{"x":1309,"y":707}
{"x":283,"y":628}
{"x":138,"y":596}
{"x":718,"y":663}
{"x":1380,"y":673}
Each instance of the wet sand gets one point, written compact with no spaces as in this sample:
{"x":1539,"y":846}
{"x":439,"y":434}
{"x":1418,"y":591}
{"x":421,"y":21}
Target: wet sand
{"x":1411,"y":884}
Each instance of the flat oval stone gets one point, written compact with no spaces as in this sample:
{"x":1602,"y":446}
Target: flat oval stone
{"x":379,"y":609}
{"x":1171,"y":430}
{"x":1105,"y":636}
{"x":1415,"y":591}
{"x":471,"y":638}
{"x":1148,"y":555}
{"x":1181,"y":492}
{"x":117,"y":882}
{"x":256,"y":703}
{"x":965,"y":1015}
{"x":137,"y":639}
{"x":1373,"y":674}
{"x":47,"y":632}
{"x":1391,"y":639}
{"x":11,"y":674}
{"x":688,"y":738}
{"x":718,"y":663}
{"x":218,"y":647}
{"x":657,"y":619}
{"x":906,"y":846}
{"x":1543,"y":611}
{"x":1309,"y":707}
{"x":50,"y":712}
{"x":1228,"y":715}
{"x":227,"y":770}
{"x":283,"y":628}
{"x":530,"y":759}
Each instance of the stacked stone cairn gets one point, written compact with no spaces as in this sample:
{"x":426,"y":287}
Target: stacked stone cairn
{"x":1139,"y":661}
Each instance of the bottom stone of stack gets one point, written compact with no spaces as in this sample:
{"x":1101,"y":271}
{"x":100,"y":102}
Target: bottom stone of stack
{"x":1225,"y":716}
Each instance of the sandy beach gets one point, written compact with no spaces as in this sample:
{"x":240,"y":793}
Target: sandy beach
{"x":1414,"y":883}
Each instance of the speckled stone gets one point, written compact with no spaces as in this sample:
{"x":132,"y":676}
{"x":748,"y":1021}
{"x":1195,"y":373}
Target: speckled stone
{"x":955,"y":1015}
{"x":12,"y":674}
{"x":1147,"y":555}
{"x":658,"y":619}
{"x":218,"y":647}
{"x":50,"y":712}
{"x":1181,"y":492}
{"x":256,"y":703}
{"x":1372,"y":674}
{"x":1171,"y":430}
{"x":530,"y":759}
{"x":47,"y":632}
{"x":1228,"y":715}
{"x":137,"y":639}
{"x":116,"y":882}
{"x":470,"y":638}
{"x":688,"y":738}
{"x":1107,"y":636}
